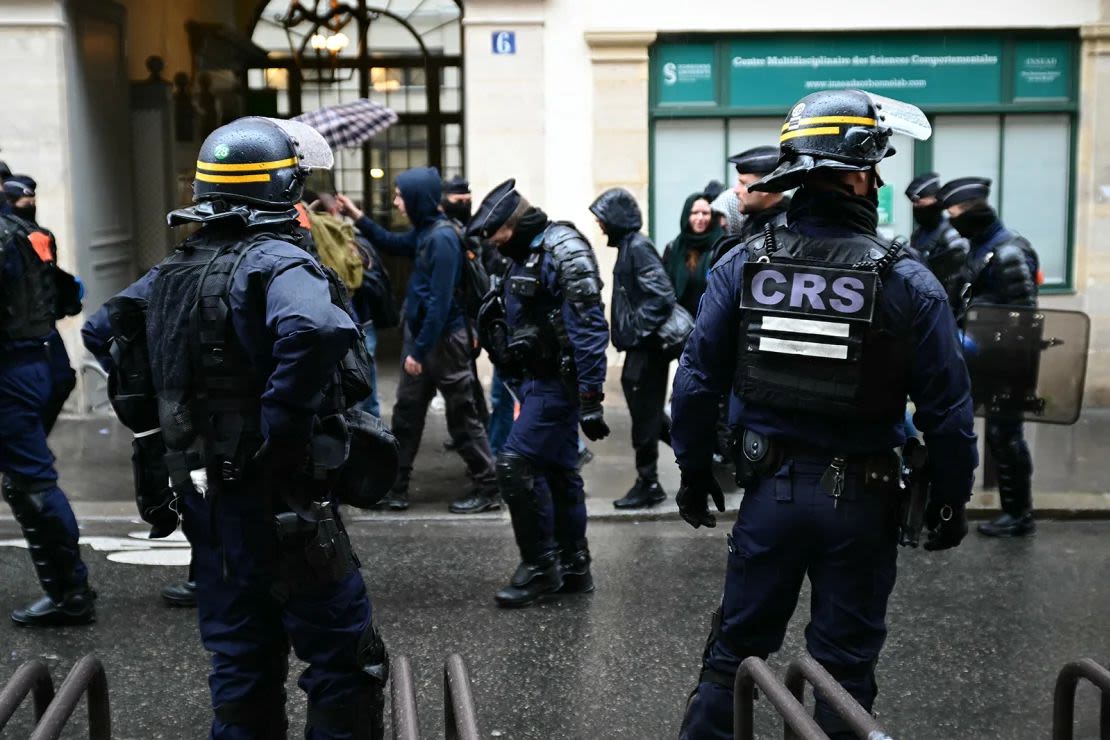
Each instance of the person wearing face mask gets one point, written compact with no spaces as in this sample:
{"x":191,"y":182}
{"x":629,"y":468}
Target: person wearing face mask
{"x":1003,"y":269}
{"x":687,"y":258}
{"x":544,"y":327}
{"x":818,"y":331}
{"x":934,"y":240}
{"x":20,"y":191}
{"x":456,"y":201}
{"x":642,"y":300}
{"x":436,"y":348}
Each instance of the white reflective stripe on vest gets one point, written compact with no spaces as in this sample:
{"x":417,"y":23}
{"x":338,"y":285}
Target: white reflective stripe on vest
{"x":810,"y":349}
{"x":807,"y":326}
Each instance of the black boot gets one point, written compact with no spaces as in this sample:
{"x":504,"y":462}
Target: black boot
{"x":531,"y":581}
{"x":1009,"y":525}
{"x":642,"y":495}
{"x":182,"y":595}
{"x":482,"y":498}
{"x":75,"y":608}
{"x":574,"y":564}
{"x":68,"y":600}
{"x":396,"y":500}
{"x":1015,"y":482}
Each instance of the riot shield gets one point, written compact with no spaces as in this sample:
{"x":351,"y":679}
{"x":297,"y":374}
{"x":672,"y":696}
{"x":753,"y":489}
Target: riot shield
{"x":1027,"y":363}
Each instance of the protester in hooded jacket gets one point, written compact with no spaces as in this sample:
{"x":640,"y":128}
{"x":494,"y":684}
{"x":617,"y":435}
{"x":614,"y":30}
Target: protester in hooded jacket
{"x":687,"y":258}
{"x":436,"y":347}
{"x":643,"y":298}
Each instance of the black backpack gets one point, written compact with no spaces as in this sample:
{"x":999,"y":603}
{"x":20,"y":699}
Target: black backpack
{"x":473,"y":279}
{"x":376,"y":292}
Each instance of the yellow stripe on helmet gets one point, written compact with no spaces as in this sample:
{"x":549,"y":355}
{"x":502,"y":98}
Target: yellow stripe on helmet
{"x":820,"y":131}
{"x":816,"y":120}
{"x":246,"y":167}
{"x":205,"y":177}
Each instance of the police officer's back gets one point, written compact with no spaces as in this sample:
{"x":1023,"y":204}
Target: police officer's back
{"x":245,"y":335}
{"x":819,"y":332}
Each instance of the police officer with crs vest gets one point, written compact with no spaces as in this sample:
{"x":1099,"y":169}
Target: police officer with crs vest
{"x":819,"y":330}
{"x":237,"y":360}
{"x":544,"y":326}
{"x":34,"y":293}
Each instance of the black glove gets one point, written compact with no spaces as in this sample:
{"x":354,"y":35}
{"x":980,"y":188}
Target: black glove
{"x":155,"y":499}
{"x":947,"y":525}
{"x":593,"y":416}
{"x":693,"y":498}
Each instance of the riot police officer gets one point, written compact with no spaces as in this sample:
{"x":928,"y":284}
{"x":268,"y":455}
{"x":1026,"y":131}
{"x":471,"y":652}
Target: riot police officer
{"x":544,"y":326}
{"x":1002,"y":269}
{"x":21,"y":193}
{"x":245,"y":334}
{"x":819,"y":330}
{"x":31,"y":290}
{"x":934,"y":240}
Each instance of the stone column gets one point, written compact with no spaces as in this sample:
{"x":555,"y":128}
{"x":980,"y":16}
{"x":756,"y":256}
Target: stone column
{"x":505,"y":101}
{"x":620,"y":115}
{"x":1092,"y":237}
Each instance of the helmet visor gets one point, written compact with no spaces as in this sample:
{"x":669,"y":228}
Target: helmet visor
{"x":314,"y":151}
{"x":902,"y":118}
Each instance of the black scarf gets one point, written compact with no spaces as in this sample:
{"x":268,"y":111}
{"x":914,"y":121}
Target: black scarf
{"x":527,"y":228}
{"x":974,"y":222}
{"x":928,"y":217}
{"x":834,"y":209}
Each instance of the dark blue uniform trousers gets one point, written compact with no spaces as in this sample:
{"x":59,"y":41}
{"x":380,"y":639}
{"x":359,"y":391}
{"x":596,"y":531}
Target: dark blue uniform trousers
{"x":25,"y":459}
{"x":546,"y":434}
{"x":248,"y":630}
{"x":787,"y":528}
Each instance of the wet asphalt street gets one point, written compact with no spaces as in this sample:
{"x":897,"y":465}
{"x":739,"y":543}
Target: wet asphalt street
{"x":977,"y":634}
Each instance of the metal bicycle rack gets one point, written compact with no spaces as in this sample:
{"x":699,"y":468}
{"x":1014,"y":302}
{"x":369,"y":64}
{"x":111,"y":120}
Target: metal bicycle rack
{"x":787,"y":698}
{"x":52,"y":711}
{"x":806,"y":669}
{"x":460,"y":720}
{"x":33,"y":677}
{"x":1063,"y":705}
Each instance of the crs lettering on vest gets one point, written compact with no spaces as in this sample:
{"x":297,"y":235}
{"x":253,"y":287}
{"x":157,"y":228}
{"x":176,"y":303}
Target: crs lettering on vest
{"x":803,"y":309}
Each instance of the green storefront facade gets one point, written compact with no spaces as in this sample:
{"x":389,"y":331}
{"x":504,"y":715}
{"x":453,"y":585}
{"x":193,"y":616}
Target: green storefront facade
{"x":1003,"y":105}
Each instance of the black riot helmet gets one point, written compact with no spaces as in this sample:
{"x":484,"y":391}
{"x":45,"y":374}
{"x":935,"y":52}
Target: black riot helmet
{"x":262,"y":162}
{"x":840,"y":130}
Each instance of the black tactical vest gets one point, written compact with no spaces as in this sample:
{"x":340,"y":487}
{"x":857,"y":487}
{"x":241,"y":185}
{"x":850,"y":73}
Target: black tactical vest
{"x":200,"y":373}
{"x":26,"y":303}
{"x":204,"y":382}
{"x":813,"y":337}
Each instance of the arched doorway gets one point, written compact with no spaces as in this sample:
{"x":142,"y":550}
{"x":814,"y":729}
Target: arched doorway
{"x":405,"y":54}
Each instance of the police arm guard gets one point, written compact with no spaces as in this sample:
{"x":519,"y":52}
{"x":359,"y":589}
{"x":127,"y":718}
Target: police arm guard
{"x":131,"y":392}
{"x":575,"y":265}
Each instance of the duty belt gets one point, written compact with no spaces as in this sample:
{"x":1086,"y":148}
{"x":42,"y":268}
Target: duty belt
{"x":760,"y":456}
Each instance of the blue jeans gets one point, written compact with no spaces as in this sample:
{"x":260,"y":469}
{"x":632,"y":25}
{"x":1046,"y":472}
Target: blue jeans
{"x":371,"y":405}
{"x":501,"y":415}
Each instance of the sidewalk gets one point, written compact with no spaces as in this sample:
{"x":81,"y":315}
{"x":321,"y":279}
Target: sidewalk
{"x":1072,"y":469}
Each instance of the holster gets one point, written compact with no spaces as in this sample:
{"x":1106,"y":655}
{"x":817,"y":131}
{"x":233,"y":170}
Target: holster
{"x":914,"y":494}
{"x":314,"y":549}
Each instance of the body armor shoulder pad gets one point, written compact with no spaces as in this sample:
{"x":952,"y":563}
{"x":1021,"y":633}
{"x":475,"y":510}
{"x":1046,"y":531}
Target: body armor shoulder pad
{"x":1016,"y":248}
{"x":575,"y":264}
